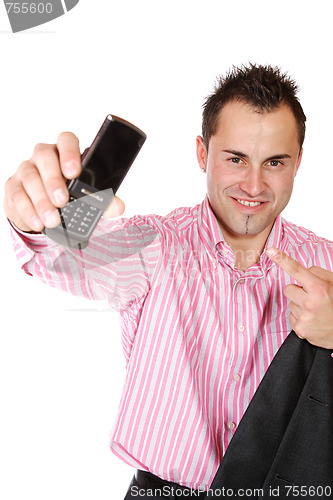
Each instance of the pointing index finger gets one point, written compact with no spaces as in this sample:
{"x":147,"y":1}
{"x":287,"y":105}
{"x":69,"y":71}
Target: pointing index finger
{"x":302,"y":275}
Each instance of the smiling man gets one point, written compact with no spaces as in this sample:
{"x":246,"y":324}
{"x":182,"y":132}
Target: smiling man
{"x":251,"y":158}
{"x":208,"y":296}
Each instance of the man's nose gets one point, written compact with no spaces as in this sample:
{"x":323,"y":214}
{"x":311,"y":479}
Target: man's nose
{"x":253,"y":183}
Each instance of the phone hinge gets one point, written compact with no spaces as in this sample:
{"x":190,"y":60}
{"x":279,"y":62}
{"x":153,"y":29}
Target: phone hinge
{"x":94,"y":195}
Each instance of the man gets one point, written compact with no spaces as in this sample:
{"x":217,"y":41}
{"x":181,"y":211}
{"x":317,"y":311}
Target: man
{"x":205,"y":306}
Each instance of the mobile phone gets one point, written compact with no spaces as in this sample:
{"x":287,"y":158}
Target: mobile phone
{"x":104,"y":167}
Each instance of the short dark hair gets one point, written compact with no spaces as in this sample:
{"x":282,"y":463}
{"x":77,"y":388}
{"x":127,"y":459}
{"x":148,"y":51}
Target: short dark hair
{"x":264,"y":87}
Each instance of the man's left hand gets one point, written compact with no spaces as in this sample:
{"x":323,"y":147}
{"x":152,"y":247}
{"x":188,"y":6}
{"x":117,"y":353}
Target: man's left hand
{"x":311,"y":301}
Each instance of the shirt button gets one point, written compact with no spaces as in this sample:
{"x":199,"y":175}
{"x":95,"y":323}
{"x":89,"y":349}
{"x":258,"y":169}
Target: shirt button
{"x":231,"y":426}
{"x":236,"y":377}
{"x":241,"y":328}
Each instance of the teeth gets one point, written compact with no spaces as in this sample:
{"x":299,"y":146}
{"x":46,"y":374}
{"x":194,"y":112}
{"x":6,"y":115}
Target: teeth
{"x":249,"y":203}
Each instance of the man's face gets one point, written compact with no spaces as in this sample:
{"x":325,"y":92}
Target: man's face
{"x":251,"y":164}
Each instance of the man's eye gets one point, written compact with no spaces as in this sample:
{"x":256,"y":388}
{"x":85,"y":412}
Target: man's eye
{"x":274,"y":163}
{"x":235,"y":160}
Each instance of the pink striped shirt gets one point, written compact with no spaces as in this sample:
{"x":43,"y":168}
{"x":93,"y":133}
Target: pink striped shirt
{"x":198,"y":334}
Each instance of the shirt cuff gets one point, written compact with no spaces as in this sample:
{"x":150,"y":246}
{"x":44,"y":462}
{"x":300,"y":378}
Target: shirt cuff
{"x":27,"y":244}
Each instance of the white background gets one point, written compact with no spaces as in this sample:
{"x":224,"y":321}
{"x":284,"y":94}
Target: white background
{"x":153,"y":63}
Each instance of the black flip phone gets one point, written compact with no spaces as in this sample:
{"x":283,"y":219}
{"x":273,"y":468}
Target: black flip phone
{"x":104,"y":167}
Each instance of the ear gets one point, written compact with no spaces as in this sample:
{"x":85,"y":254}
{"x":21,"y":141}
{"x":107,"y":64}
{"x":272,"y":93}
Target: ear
{"x":299,"y":159}
{"x":201,"y":153}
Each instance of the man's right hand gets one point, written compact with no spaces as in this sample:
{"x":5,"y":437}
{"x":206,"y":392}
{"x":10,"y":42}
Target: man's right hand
{"x":38,"y":188}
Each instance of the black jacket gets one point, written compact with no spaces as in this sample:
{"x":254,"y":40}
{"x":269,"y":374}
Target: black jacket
{"x":283,"y":446}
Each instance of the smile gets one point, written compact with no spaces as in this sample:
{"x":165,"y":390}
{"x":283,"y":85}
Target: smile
{"x":250,"y":203}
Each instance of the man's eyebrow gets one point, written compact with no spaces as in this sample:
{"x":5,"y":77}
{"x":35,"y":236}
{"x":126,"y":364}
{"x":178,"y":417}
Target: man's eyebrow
{"x":279,"y":157}
{"x":283,"y":156}
{"x":236,"y":153}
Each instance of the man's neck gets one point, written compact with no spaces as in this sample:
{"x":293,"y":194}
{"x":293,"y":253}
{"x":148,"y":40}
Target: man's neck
{"x":247,"y":249}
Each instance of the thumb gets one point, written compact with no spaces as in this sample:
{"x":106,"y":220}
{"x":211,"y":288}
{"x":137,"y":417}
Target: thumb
{"x":115,"y":209}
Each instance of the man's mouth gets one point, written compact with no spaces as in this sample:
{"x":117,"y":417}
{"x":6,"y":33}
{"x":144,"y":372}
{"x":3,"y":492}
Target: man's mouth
{"x":249,"y":203}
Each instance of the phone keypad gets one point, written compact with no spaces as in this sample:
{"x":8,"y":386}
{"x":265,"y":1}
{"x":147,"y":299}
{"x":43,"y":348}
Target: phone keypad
{"x":78,"y":217}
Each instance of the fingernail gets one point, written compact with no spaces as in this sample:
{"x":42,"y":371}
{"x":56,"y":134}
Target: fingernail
{"x":52,"y":218}
{"x":71,"y":169}
{"x":60,"y":196}
{"x":272,"y":251}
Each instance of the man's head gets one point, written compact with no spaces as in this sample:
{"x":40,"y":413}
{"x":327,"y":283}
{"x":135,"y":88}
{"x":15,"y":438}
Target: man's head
{"x":251,"y":150}
{"x":263,"y":87}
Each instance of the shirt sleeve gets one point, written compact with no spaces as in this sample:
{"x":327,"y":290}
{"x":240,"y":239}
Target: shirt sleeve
{"x":118,"y":265}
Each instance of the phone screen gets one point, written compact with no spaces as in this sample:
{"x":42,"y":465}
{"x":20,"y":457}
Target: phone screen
{"x":111,"y":154}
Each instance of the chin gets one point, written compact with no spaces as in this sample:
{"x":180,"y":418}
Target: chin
{"x":247,"y":229}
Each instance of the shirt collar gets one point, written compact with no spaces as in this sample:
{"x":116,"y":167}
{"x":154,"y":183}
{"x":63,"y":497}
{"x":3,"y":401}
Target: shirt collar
{"x":213,"y":239}
{"x":209,"y":229}
{"x":276,"y":239}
